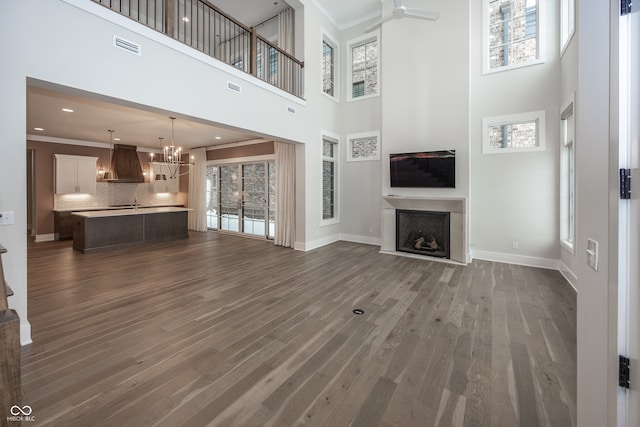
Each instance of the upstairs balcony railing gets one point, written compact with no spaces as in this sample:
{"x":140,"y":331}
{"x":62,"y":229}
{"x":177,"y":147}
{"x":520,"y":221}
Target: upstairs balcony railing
{"x":206,"y":28}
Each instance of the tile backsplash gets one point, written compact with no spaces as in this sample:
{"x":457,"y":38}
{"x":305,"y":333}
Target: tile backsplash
{"x":109,"y":194}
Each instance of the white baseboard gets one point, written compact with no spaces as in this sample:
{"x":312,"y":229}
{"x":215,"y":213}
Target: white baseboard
{"x":367,"y":240}
{"x":315,"y":244}
{"x":25,"y":332}
{"x":528,"y":261}
{"x":568,"y":275}
{"x":45,"y":238}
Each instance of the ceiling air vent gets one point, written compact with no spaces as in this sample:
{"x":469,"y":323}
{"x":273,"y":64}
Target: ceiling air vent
{"x":291,"y":110}
{"x":127,"y":45}
{"x":234,"y":87}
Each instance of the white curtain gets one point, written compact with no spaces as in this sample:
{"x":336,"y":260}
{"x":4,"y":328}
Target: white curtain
{"x":285,"y":194}
{"x":198,"y":190}
{"x":285,"y":31}
{"x":285,"y":42}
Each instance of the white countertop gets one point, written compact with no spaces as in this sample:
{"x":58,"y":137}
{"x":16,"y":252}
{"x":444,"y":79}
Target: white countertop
{"x":122,"y":212}
{"x":105,"y":208}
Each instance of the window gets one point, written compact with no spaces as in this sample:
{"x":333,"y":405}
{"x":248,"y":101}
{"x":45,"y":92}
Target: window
{"x":513,"y":133}
{"x":212,"y":197}
{"x":329,"y":178}
{"x":567,"y":176}
{"x":364,"y":73}
{"x":241,"y":198}
{"x":363,"y":147}
{"x":567,"y":22}
{"x":328,"y":69}
{"x":511,"y":33}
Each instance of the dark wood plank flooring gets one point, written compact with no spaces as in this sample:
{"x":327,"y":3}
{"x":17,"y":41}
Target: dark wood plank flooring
{"x":224,"y":330}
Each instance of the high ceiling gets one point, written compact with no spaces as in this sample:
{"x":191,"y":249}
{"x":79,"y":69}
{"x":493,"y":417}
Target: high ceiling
{"x":142,"y":126}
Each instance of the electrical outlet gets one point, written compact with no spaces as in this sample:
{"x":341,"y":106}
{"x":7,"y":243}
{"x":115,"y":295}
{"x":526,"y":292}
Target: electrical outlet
{"x":592,"y":254}
{"x":6,"y":218}
{"x":514,"y":245}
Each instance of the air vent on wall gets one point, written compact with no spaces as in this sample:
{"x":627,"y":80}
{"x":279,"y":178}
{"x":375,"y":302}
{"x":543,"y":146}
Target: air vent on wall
{"x":291,"y":110}
{"x":234,"y":87}
{"x":127,"y":45}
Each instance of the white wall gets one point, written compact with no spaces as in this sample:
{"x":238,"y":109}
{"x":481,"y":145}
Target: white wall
{"x":596,"y":192}
{"x":322,"y":114}
{"x":425,"y":91}
{"x":515,"y":196}
{"x":70,"y":47}
{"x":360,"y":183}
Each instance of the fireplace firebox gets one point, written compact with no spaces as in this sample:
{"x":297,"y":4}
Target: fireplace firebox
{"x":423,"y":232}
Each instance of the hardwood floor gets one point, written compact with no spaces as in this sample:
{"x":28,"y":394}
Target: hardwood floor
{"x":223,"y":330}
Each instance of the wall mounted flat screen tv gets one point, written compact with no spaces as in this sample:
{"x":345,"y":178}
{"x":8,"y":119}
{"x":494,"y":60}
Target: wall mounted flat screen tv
{"x":427,"y":169}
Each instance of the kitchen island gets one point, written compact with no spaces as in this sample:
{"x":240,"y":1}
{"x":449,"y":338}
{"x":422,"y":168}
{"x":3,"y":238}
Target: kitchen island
{"x":94,"y":230}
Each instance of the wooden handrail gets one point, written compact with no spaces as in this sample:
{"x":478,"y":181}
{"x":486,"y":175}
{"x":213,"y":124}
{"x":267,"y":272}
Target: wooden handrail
{"x":293,"y":58}
{"x":229,"y":17}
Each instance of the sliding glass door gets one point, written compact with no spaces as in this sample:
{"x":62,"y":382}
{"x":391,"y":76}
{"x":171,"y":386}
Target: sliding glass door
{"x":241,"y":198}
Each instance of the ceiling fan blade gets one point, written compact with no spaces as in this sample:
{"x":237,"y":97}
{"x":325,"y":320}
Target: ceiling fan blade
{"x":421,"y":14}
{"x":379,"y":23}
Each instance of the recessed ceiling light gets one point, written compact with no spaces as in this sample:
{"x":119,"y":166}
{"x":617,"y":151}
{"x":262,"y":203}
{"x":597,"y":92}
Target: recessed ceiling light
{"x":218,"y":137}
{"x":185,"y":19}
{"x":38,"y":129}
{"x":67,"y":110}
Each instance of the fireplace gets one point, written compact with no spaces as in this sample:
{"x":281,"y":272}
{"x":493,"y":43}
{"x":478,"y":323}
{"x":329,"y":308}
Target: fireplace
{"x":423,"y":232}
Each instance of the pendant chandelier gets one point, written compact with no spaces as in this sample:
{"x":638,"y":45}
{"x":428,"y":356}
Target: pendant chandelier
{"x":172,"y":163}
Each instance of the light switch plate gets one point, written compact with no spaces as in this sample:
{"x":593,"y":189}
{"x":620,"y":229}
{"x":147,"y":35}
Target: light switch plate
{"x":6,"y":218}
{"x":592,"y":254}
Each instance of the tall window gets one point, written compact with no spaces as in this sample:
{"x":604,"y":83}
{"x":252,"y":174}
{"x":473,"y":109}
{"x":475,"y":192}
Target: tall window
{"x":567,"y":22}
{"x":364,"y":73}
{"x":567,"y":177}
{"x":329,"y":179}
{"x":512,"y":33}
{"x":328,"y":68}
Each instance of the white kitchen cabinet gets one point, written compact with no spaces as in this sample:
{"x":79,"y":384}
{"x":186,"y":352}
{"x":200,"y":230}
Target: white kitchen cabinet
{"x":168,"y":185}
{"x":75,"y":174}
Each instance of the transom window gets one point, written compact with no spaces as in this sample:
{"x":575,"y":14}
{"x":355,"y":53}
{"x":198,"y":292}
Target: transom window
{"x":364,"y":72}
{"x":512,"y":33}
{"x":512,"y":133}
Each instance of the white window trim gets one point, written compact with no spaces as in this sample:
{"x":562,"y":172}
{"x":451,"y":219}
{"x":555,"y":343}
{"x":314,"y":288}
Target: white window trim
{"x":571,"y":6}
{"x":349,"y":152}
{"x":568,"y":245}
{"x":332,"y":41}
{"x":485,"y":40}
{"x":336,"y":219}
{"x":489,"y":122}
{"x":349,"y":80}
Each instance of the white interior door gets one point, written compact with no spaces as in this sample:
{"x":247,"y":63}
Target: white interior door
{"x":629,"y":283}
{"x":634,"y":220}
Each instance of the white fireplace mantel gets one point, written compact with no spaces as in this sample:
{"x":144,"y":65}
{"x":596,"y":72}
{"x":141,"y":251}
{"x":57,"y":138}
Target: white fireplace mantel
{"x":457,"y":207}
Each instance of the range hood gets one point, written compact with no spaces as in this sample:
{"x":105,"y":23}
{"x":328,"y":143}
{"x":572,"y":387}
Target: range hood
{"x":125,"y":164}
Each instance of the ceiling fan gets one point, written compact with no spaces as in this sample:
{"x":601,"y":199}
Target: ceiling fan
{"x":401,"y":11}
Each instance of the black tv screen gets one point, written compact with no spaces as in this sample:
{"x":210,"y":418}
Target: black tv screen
{"x":429,"y":169}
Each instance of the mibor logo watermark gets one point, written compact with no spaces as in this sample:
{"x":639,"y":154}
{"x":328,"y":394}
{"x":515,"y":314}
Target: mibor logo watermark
{"x":21,"y":414}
